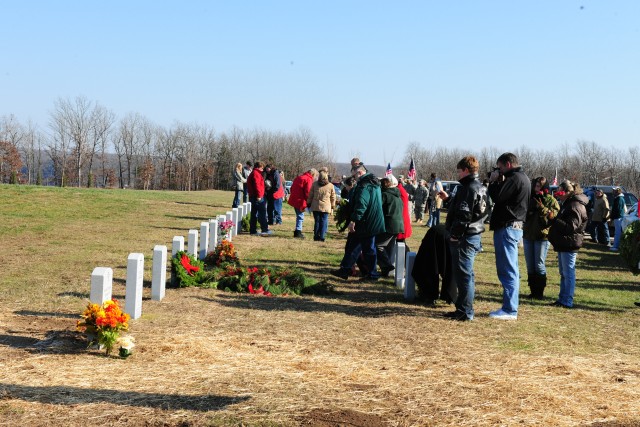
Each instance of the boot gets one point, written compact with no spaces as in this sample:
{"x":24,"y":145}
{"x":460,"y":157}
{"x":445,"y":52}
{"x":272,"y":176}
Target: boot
{"x":298,"y":234}
{"x":531,"y":280}
{"x":542,"y":283}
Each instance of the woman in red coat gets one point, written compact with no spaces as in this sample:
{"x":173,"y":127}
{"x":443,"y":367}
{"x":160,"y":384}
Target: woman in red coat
{"x":300,"y":189}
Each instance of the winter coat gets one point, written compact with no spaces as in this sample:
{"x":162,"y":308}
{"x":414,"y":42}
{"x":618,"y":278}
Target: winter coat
{"x":255,"y":184}
{"x":600,"y":209}
{"x":566,"y":232}
{"x":240,"y":180}
{"x":300,"y":189}
{"x":619,"y":209}
{"x":434,"y":188}
{"x":406,"y":215}
{"x":542,"y":211}
{"x":421,"y":195}
{"x":276,"y":191}
{"x":510,"y":198}
{"x":468,"y":209}
{"x":322,"y":197}
{"x":392,"y":208}
{"x":367,"y":207}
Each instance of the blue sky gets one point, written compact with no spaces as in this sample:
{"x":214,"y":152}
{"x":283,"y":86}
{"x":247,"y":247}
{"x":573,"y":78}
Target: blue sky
{"x":367,"y":77}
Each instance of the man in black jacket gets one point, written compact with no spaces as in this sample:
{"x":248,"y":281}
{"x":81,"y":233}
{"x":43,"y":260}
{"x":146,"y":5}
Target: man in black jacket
{"x":465,"y":223}
{"x":510,"y":190}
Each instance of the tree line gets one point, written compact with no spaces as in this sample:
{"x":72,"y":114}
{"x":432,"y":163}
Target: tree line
{"x":585,"y":162}
{"x":84,"y":144}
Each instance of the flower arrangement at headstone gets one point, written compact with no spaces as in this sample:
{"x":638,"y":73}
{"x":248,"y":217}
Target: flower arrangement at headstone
{"x":224,"y":253}
{"x":103,"y":324}
{"x":246,"y":224}
{"x":225,"y":229}
{"x":630,"y":246}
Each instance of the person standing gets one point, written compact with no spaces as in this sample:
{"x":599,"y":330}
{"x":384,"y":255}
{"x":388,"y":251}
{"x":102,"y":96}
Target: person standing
{"x":510,"y":189}
{"x":239,"y":184}
{"x":300,"y":189}
{"x":274,"y":191}
{"x":246,"y":171}
{"x":566,"y":236}
{"x":420,"y":197}
{"x":321,"y":201}
{"x":465,"y":224}
{"x":392,"y":210}
{"x":367,"y":221}
{"x":599,"y":217}
{"x":543,"y":208}
{"x":618,"y":211}
{"x":435,"y":201}
{"x":255,"y":188}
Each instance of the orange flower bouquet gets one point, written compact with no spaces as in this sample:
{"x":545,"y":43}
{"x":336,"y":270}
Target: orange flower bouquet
{"x":103,"y":323}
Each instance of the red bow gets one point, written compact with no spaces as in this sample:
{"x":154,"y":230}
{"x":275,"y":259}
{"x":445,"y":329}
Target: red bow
{"x":259,"y":291}
{"x":187,"y":265}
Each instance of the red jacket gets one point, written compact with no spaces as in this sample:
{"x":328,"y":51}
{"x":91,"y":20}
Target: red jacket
{"x":255,"y":184}
{"x":300,"y":189}
{"x":405,"y":214}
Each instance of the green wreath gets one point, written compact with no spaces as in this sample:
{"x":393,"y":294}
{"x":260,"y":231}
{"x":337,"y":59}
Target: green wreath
{"x":630,"y":246}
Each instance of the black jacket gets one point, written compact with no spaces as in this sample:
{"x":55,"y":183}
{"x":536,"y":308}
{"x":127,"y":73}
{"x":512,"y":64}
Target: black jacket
{"x":566,"y":232}
{"x":510,"y":198}
{"x":468,"y":209}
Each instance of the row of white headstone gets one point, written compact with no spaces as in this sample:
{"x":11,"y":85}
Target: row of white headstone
{"x":102,"y":277}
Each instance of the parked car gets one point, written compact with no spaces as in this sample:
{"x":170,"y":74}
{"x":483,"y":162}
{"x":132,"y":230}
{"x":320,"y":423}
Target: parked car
{"x":629,"y":199}
{"x":450,"y":187}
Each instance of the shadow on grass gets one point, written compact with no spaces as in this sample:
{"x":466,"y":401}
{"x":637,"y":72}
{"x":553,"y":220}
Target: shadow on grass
{"x":67,"y":395}
{"x":326,"y":305}
{"x":192,"y":218}
{"x":47,"y":314}
{"x":75,"y":294}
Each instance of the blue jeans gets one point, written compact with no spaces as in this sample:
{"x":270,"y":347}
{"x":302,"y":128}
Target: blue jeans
{"x":277,"y":211}
{"x":463,"y":253}
{"x":600,"y":233}
{"x":616,"y":239}
{"x":355,"y":245}
{"x":505,"y":242}
{"x":245,"y":194}
{"x":274,"y":211}
{"x":434,"y":217}
{"x":258,"y":214}
{"x":299,"y":219}
{"x":320,"y":225}
{"x":567,"y":266}
{"x":535,"y":254}
{"x":236,"y":198}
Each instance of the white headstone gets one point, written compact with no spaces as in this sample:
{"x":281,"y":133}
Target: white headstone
{"x":213,"y":234}
{"x":229,"y":217}
{"x":101,"y":285}
{"x":192,"y":243}
{"x":400,"y":252}
{"x":159,"y":272}
{"x":410,"y":284}
{"x":204,"y":239}
{"x":133,"y":294}
{"x":248,"y":207}
{"x":241,"y":211}
{"x":235,"y":215}
{"x":221,"y":237}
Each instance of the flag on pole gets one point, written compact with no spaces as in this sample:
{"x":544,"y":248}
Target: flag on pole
{"x":389,"y":171}
{"x":555,"y":178}
{"x":412,"y":170}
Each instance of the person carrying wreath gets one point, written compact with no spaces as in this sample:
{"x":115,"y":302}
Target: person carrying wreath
{"x":543,"y":208}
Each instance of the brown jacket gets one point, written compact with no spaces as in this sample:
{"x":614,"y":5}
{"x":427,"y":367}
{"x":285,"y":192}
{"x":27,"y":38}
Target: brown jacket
{"x":322,"y":198}
{"x":600,"y":209}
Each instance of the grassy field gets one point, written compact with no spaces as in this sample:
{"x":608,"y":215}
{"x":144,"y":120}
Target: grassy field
{"x":361,"y":356}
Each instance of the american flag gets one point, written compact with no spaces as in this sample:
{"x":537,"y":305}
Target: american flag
{"x":389,"y":171}
{"x":412,"y":170}
{"x":555,"y":178}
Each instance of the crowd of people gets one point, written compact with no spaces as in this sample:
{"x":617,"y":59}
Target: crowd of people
{"x":520,"y":211}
